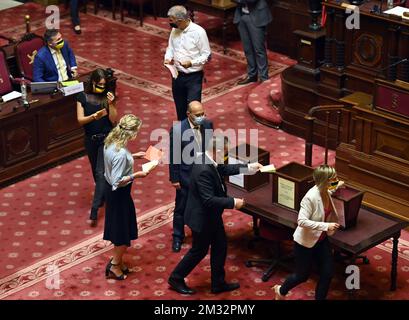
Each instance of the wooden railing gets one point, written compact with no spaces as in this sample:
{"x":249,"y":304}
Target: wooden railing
{"x":310,"y":117}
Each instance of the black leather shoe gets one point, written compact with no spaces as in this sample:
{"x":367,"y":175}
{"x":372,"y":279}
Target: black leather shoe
{"x":180,"y":286}
{"x":225,"y":287}
{"x":176,"y":246}
{"x":247,"y":80}
{"x":77,"y":29}
{"x":94,"y":223}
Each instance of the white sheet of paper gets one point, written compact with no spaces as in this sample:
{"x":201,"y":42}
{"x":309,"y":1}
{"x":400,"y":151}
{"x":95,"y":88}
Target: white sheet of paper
{"x":174,"y":72}
{"x":11,"y":96}
{"x":146,"y":167}
{"x":268,"y":168}
{"x":286,"y":193}
{"x":238,"y":179}
{"x":397,"y":11}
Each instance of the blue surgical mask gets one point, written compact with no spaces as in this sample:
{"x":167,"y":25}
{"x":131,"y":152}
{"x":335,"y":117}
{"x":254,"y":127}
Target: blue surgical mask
{"x":199,"y":120}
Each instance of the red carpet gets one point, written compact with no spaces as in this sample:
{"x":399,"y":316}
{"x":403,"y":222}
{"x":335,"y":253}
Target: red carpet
{"x":43,"y":219}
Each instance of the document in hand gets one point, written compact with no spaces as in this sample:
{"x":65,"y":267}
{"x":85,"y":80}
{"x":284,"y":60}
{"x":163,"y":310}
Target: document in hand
{"x":173,"y":70}
{"x":146,"y":167}
{"x":269,"y":168}
{"x":153,"y":154}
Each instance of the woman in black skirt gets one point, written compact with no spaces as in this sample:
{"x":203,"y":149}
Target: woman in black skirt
{"x":97,"y":114}
{"x":120,"y":217}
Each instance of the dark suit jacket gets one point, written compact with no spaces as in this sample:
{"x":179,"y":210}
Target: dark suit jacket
{"x":179,"y":170}
{"x":260,"y":13}
{"x":44,"y":68}
{"x":207,"y":199}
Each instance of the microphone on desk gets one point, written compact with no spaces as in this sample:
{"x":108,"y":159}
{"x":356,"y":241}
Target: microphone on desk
{"x":390,"y":66}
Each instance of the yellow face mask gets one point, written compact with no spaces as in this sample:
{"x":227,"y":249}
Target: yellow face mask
{"x":59,"y":44}
{"x":99,"y":89}
{"x":333,"y":185}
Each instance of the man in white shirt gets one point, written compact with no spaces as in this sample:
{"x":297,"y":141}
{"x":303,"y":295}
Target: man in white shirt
{"x":188,"y":50}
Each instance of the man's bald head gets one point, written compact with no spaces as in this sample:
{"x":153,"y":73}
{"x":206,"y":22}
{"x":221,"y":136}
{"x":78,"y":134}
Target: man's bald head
{"x":195,"y":108}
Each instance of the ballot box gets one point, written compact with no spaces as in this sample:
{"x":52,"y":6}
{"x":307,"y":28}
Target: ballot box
{"x":290,"y":184}
{"x":347,"y":201}
{"x":244,"y":154}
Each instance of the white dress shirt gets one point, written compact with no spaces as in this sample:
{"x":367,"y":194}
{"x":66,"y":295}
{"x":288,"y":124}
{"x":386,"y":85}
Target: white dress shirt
{"x":62,"y":74}
{"x":190,"y":44}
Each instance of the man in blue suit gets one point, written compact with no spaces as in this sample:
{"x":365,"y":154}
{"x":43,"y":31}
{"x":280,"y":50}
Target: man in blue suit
{"x":55,"y":61}
{"x":187,"y":138}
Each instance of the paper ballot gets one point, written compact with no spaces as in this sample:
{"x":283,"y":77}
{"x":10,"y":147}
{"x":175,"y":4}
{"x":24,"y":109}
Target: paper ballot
{"x":146,"y":167}
{"x":11,"y":96}
{"x":397,"y":11}
{"x":153,"y":154}
{"x":269,"y":168}
{"x":173,"y":70}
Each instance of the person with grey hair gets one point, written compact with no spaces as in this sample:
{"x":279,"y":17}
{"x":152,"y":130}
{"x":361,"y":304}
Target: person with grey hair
{"x":206,"y":202}
{"x":316,"y":219}
{"x":188,"y":50}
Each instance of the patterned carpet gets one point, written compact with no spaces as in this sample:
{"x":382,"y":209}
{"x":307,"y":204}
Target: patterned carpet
{"x":43,"y":220}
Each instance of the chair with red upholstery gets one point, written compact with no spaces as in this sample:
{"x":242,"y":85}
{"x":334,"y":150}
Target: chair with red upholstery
{"x":140,"y":4}
{"x":276,"y":234}
{"x":25,"y":51}
{"x":5,"y":81}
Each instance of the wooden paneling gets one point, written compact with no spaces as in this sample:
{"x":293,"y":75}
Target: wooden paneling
{"x":45,"y":133}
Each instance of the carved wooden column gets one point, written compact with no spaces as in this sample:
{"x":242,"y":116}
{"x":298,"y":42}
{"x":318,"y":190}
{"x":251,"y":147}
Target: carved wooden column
{"x":339,"y":39}
{"x":329,"y":39}
{"x":393,"y":41}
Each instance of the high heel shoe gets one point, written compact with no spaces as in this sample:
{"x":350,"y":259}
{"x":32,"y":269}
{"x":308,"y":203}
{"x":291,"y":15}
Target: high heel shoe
{"x":124,"y":270}
{"x":110,"y":274}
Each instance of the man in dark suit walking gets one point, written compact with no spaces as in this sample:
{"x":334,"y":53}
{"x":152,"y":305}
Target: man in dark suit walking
{"x":206,"y":202}
{"x":186,"y":139}
{"x":252,"y":17}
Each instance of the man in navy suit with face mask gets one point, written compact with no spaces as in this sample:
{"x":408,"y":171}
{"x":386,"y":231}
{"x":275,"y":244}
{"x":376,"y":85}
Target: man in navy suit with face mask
{"x":55,"y":61}
{"x":187,"y":138}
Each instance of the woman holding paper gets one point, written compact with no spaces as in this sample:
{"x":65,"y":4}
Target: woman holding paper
{"x":120,"y":217}
{"x":96,"y":112}
{"x":310,"y":238}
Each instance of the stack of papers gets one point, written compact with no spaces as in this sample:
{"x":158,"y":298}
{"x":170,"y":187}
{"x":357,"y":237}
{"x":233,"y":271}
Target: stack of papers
{"x":269,"y":168}
{"x":397,"y":11}
{"x":149,"y":165}
{"x":173,"y":71}
{"x":11,"y":96}
{"x":153,"y":154}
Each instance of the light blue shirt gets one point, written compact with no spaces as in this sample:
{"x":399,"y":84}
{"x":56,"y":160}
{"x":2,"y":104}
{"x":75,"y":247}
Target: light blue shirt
{"x":118,"y":165}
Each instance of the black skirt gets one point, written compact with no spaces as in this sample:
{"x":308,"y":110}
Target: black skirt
{"x":120,"y":217}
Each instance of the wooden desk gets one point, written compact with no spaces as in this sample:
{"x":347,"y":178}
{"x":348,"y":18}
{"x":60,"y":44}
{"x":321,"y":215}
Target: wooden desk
{"x":218,"y":10}
{"x":45,"y":133}
{"x":372,"y":227}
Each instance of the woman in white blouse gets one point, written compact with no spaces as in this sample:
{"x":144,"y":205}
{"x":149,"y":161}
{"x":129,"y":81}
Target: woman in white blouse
{"x":315,"y":220}
{"x":120,"y":217}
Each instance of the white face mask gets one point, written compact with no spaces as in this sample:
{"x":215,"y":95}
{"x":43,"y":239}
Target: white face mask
{"x":199,"y":120}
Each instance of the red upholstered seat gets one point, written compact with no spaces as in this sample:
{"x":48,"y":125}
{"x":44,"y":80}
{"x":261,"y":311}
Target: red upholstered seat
{"x":275,"y":234}
{"x":25,"y":51}
{"x":5,"y":82}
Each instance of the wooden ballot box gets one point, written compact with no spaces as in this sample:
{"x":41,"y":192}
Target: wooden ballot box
{"x":246,"y":153}
{"x":347,"y":202}
{"x":290,"y":184}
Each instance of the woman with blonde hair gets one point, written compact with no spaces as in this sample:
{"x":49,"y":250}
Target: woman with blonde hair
{"x":310,"y":238}
{"x":120,"y":216}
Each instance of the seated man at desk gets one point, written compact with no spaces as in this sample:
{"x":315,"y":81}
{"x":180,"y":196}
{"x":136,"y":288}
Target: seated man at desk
{"x":55,"y":61}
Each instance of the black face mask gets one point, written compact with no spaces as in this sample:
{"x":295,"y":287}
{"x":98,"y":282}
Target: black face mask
{"x":173,"y":25}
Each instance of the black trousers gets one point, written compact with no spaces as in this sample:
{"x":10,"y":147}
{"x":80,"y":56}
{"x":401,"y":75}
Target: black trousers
{"x":186,"y":88}
{"x":95,"y":152}
{"x":321,"y":253}
{"x":212,"y":236}
{"x":178,"y":214}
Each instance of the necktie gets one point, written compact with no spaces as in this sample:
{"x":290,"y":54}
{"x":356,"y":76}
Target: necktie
{"x":61,"y":69}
